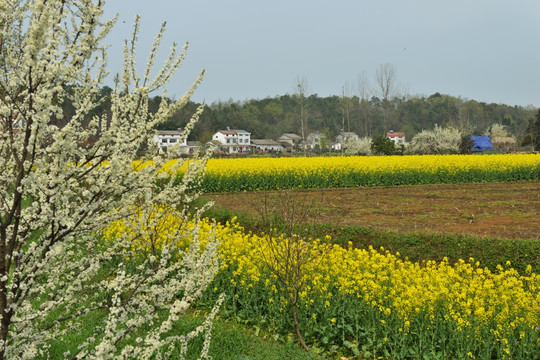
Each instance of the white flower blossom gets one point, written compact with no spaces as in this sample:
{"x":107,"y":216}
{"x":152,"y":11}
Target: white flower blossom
{"x":63,"y":181}
{"x":437,"y":141}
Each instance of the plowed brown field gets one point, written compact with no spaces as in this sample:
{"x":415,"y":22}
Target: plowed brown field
{"x":504,"y":210}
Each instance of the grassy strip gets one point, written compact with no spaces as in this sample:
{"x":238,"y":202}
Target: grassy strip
{"x":415,"y":246}
{"x":230,"y":340}
{"x":419,"y":247}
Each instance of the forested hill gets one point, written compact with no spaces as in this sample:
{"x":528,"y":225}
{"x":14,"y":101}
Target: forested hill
{"x":270,"y":117}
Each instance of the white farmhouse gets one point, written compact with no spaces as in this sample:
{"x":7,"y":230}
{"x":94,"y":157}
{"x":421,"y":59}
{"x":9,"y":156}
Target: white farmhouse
{"x":233,"y":141}
{"x":397,"y":137}
{"x":244,"y":141}
{"x":266,"y":145}
{"x":165,"y":138}
{"x":228,"y":141}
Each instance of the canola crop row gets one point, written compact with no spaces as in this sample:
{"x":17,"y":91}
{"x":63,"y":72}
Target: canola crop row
{"x":367,"y":296}
{"x":370,"y":299}
{"x":252,"y":174}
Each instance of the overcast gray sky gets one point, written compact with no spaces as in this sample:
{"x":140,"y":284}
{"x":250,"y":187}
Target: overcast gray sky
{"x":486,"y":50}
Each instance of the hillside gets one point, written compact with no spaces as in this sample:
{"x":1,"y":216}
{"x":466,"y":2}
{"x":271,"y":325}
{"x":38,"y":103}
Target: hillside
{"x":270,"y":117}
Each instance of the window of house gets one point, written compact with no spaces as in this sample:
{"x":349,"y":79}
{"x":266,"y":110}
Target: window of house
{"x":173,"y":141}
{"x":228,"y":141}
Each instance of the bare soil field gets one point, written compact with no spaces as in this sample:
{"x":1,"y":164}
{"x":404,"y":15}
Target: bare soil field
{"x":503,"y":210}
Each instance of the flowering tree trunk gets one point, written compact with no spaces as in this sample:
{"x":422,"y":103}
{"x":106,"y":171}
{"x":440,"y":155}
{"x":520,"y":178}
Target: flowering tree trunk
{"x":62,"y":186}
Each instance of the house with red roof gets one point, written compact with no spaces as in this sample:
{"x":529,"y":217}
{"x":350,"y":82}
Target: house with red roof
{"x":397,"y":137}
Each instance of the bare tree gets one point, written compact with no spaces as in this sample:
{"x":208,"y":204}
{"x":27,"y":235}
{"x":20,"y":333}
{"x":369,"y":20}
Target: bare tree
{"x":301,"y":88}
{"x":346,"y":105}
{"x":345,"y":113}
{"x":387,"y":90}
{"x":287,"y":255}
{"x":364,"y":92}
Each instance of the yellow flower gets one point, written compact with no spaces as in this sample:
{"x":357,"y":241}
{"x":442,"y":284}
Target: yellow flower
{"x":463,"y":295}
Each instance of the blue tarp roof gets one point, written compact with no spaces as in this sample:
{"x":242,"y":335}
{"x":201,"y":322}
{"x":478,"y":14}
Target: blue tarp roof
{"x":480,"y":143}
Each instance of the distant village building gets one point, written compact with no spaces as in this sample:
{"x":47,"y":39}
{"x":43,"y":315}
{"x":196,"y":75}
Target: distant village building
{"x":192,"y":147}
{"x":266,"y":145}
{"x":233,"y":141}
{"x":227,"y":141}
{"x":165,"y":138}
{"x":290,"y":141}
{"x":314,"y":139}
{"x":342,"y":139}
{"x":244,"y":141}
{"x":504,"y":144}
{"x":480,"y":144}
{"x":397,"y":137}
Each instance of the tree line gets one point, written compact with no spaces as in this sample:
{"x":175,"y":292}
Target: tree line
{"x":268,"y":118}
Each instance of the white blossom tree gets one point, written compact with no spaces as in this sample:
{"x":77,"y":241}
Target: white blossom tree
{"x":437,"y":141}
{"x":496,"y":130}
{"x":62,"y":186}
{"x":360,"y":146}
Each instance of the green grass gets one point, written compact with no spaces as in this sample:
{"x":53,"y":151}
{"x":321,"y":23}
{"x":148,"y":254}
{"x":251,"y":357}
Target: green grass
{"x":230,"y":341}
{"x":419,"y":247}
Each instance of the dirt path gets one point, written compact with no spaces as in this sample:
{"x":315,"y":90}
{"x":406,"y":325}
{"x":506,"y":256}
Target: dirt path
{"x":506,"y":210}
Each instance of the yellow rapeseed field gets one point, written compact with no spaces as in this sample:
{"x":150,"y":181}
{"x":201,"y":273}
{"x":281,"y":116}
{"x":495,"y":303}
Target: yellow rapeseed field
{"x":349,"y":294}
{"x":371,"y":164}
{"x":239,"y":174}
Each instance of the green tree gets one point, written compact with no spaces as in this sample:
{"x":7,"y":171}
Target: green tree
{"x":530,"y":134}
{"x":381,"y":145}
{"x":272,"y":112}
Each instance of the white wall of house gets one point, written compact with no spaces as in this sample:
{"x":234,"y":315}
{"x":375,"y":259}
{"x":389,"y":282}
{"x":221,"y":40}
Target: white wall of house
{"x":397,"y":137}
{"x":226,"y":137}
{"x":244,"y":141}
{"x":228,"y":140}
{"x":165,"y":138}
{"x":269,"y":148}
{"x":234,"y":141}
{"x":266,"y":145}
